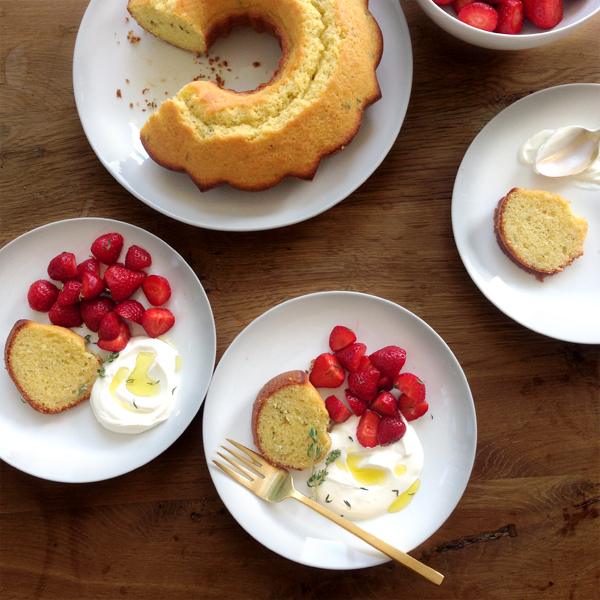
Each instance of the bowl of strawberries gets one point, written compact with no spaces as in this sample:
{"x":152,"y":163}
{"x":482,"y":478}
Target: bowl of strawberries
{"x":510,"y":24}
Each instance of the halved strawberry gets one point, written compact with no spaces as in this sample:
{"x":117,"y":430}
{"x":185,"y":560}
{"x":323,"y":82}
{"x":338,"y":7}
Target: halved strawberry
{"x":92,"y":311}
{"x":119,"y":342}
{"x":350,"y":356}
{"x":458,"y":5}
{"x":510,"y":17}
{"x":390,"y":430}
{"x":544,"y":14}
{"x":131,"y":310}
{"x":388,"y":361}
{"x":357,"y":405}
{"x":91,"y":286}
{"x":156,"y":289}
{"x":385,"y":384}
{"x":90,"y":265}
{"x":137,"y":258}
{"x":327,"y":371}
{"x":366,"y":431}
{"x":411,"y":385}
{"x":122,"y":282}
{"x":63,"y":267}
{"x":109,"y":326}
{"x":480,"y":15}
{"x":107,"y":248}
{"x":157,"y":321}
{"x":364,"y":384}
{"x":340,"y":337}
{"x":385,"y":404}
{"x":42,"y":294}
{"x":365,"y":364}
{"x":410,"y":409}
{"x":65,"y":316}
{"x":70,"y":293}
{"x":336,"y":409}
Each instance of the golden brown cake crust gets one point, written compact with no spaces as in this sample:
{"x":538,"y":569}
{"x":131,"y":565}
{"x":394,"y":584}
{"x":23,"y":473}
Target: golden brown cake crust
{"x":276,"y":384}
{"x":324,"y":126}
{"x":8,"y":361}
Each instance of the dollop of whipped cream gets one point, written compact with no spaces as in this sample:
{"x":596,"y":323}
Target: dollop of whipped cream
{"x":364,"y":483}
{"x":139,"y":388}
{"x":588,"y":179}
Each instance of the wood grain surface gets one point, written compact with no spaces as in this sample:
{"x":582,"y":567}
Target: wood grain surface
{"x":527,"y":526}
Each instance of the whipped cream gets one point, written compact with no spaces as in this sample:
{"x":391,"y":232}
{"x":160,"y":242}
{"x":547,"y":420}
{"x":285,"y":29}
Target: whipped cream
{"x":588,"y":179}
{"x":139,"y":388}
{"x":364,"y":483}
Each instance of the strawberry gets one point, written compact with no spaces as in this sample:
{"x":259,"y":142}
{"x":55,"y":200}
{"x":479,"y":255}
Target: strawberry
{"x":364,"y":384}
{"x":366,"y":431}
{"x":337,"y":411}
{"x":119,"y":342}
{"x":157,"y":321}
{"x":92,"y":286}
{"x":109,"y":326}
{"x":390,"y":430}
{"x":365,"y":364}
{"x":510,"y":17}
{"x":412,"y":386}
{"x":479,"y":15}
{"x":410,"y":409}
{"x":388,"y":361}
{"x":122,"y":282}
{"x":70,"y":293}
{"x":131,"y":310}
{"x":327,"y":371}
{"x":92,"y":311}
{"x":544,"y":14}
{"x":156,"y":289}
{"x":385,"y":404}
{"x":340,"y":337}
{"x":63,"y":267}
{"x":90,"y":265}
{"x":350,"y":356}
{"x":385,"y":383}
{"x":357,"y":405}
{"x":458,"y":5}
{"x":65,"y":316}
{"x":137,"y":258}
{"x":442,"y":2}
{"x":42,"y":295}
{"x":107,"y":248}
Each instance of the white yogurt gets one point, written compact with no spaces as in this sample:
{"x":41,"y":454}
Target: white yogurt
{"x":528,"y":154}
{"x":365,"y":483}
{"x":139,"y":388}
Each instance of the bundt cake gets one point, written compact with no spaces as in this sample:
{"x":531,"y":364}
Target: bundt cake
{"x":50,"y":365}
{"x":285,"y":410}
{"x":311,"y":108}
{"x":539,"y":231}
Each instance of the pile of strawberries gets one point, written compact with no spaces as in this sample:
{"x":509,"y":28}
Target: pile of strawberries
{"x":370,"y":381}
{"x":103,"y":301}
{"x":507,"y":16}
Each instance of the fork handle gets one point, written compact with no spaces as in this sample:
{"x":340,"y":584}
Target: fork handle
{"x":394,"y":553}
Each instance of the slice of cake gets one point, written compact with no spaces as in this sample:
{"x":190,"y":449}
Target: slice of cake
{"x":50,"y":365}
{"x":538,"y":231}
{"x":285,"y":410}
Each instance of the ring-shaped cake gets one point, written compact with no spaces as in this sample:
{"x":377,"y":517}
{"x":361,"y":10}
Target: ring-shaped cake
{"x":311,"y":108}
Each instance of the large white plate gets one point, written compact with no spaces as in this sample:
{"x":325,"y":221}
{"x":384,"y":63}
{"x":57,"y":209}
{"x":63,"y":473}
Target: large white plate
{"x":288,"y":337}
{"x":104,"y":60}
{"x":564,"y":306}
{"x":72,"y":446}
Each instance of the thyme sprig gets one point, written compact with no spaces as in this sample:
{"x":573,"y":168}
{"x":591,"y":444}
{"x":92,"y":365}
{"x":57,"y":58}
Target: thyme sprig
{"x":314,"y":453}
{"x":107,"y":359}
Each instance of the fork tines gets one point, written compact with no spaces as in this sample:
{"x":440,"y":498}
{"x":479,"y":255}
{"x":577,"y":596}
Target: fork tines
{"x":255,"y":463}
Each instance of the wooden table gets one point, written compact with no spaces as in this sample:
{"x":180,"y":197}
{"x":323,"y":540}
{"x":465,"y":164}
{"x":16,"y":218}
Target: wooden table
{"x":527,"y":524}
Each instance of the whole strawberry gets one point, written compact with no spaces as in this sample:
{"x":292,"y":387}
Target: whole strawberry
{"x":63,"y":267}
{"x":42,"y":295}
{"x":391,"y":429}
{"x":107,"y":248}
{"x":90,"y":265}
{"x":92,"y":311}
{"x":137,"y":258}
{"x":122,"y":282}
{"x":66,"y":316}
{"x":70,"y":293}
{"x":364,"y":384}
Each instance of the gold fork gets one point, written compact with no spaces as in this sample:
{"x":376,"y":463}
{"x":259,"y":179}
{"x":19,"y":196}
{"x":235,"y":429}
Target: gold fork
{"x":275,"y":484}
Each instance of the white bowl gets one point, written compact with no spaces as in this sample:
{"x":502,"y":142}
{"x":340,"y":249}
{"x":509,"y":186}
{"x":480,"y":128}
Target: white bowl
{"x":576,"y":14}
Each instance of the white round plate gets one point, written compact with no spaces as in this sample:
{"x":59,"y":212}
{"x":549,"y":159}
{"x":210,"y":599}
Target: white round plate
{"x":72,"y":446}
{"x":104,"y":59}
{"x":565,"y":306}
{"x":288,"y":337}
